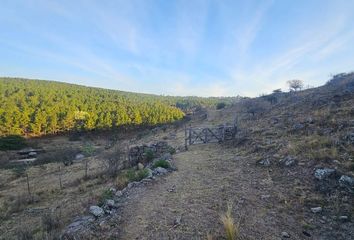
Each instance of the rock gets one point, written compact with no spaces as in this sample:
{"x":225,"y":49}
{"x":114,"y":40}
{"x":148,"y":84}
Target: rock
{"x":32,"y":154}
{"x":166,"y":156}
{"x":79,"y":156}
{"x":288,"y":161}
{"x":343,"y":218}
{"x":316,"y":209}
{"x":140,"y":166}
{"x":150,"y":173}
{"x":110,"y":203}
{"x":177,"y":221}
{"x":298,"y":126}
{"x":112,"y":190}
{"x":265,"y":196}
{"x":323,"y":173}
{"x":96,"y":211}
{"x":78,"y":225}
{"x":285,"y":235}
{"x":119,"y":194}
{"x":307,"y":234}
{"x":347,"y":182}
{"x":264,"y":162}
{"x":159,"y":171}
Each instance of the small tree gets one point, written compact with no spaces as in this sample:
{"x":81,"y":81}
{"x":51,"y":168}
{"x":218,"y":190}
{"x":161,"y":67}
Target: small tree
{"x":295,"y":85}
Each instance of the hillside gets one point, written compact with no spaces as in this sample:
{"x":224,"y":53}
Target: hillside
{"x":37,"y":107}
{"x":288,"y":174}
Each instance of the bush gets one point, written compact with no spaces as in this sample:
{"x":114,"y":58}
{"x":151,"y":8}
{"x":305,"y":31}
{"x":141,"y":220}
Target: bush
{"x":113,"y":162}
{"x":161,"y":163}
{"x":136,"y":176}
{"x":12,"y":142}
{"x":149,"y":154}
{"x":220,"y":105}
{"x":50,"y":222}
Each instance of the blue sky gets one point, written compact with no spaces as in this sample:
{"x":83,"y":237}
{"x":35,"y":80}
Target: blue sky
{"x":191,"y":47}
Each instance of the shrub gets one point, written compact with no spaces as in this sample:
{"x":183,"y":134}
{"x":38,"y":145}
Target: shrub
{"x":12,"y":142}
{"x":24,"y":233}
{"x":172,"y":150}
{"x":88,"y":150}
{"x":107,"y":194}
{"x":136,"y":175}
{"x":220,"y":105}
{"x":161,"y":163}
{"x":113,"y":162}
{"x":149,"y":154}
{"x":121,"y":181}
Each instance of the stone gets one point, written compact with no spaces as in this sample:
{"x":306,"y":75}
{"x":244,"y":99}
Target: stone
{"x":150,"y":173}
{"x":110,"y":203}
{"x":265,"y":196}
{"x":288,"y":161}
{"x":112,"y":190}
{"x":347,"y":182}
{"x":96,"y":211}
{"x":316,"y":209}
{"x":264,"y":162}
{"x":177,"y":220}
{"x":285,"y":235}
{"x":343,"y":218}
{"x":160,"y":171}
{"x":166,"y":156}
{"x":79,"y":224}
{"x":298,"y":126}
{"x":140,"y":166}
{"x":323,"y":173}
{"x":119,"y":194}
{"x":32,"y":154}
{"x":79,"y":156}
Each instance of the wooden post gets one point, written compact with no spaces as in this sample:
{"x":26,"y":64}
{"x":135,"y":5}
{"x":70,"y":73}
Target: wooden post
{"x":205,"y":135}
{"x":185,"y":138}
{"x":190,"y":134}
{"x":28,"y":185}
{"x":86,"y":168}
{"x":60,"y":183}
{"x":223,"y":133}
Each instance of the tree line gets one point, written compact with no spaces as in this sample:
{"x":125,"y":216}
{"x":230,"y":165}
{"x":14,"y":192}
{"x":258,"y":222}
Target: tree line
{"x":38,"y":107}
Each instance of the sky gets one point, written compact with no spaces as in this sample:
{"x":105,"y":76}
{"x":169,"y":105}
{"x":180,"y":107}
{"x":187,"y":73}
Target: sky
{"x":167,"y":47}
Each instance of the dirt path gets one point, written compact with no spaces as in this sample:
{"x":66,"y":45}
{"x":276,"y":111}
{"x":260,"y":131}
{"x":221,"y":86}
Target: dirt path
{"x":208,"y":177}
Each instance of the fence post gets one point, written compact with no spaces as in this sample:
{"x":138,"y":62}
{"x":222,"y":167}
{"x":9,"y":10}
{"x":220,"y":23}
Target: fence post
{"x":28,"y":185}
{"x":60,"y":183}
{"x":185,"y":138}
{"x":205,"y":135}
{"x":190,"y":134}
{"x":223,"y":132}
{"x":86,"y":167}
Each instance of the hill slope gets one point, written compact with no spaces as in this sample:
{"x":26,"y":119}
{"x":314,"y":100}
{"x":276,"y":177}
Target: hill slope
{"x":37,"y":107}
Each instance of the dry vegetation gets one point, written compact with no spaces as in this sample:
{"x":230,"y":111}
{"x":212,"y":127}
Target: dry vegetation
{"x":307,"y":129}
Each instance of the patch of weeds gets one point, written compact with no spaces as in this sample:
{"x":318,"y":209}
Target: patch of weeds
{"x":149,"y":154}
{"x":107,"y":194}
{"x":88,"y":150}
{"x":172,"y":150}
{"x":12,"y":142}
{"x":66,"y":155}
{"x":136,"y":176}
{"x":121,"y":181}
{"x":161,"y":163}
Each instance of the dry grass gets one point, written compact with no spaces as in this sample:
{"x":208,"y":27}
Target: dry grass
{"x":231,"y":229}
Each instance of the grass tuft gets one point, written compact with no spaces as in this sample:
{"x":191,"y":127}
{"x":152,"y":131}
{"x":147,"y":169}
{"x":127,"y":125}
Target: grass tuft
{"x":231,"y":229}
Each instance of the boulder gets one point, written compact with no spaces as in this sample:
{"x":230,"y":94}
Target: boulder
{"x":264,"y":162}
{"x":316,"y":209}
{"x":140,"y":166}
{"x":347,"y":182}
{"x":118,"y":194}
{"x":323,"y":173}
{"x":78,"y":225}
{"x":110,"y":203}
{"x":79,"y":156}
{"x":159,"y":171}
{"x":96,"y":211}
{"x":285,"y":235}
{"x":288,"y":161}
